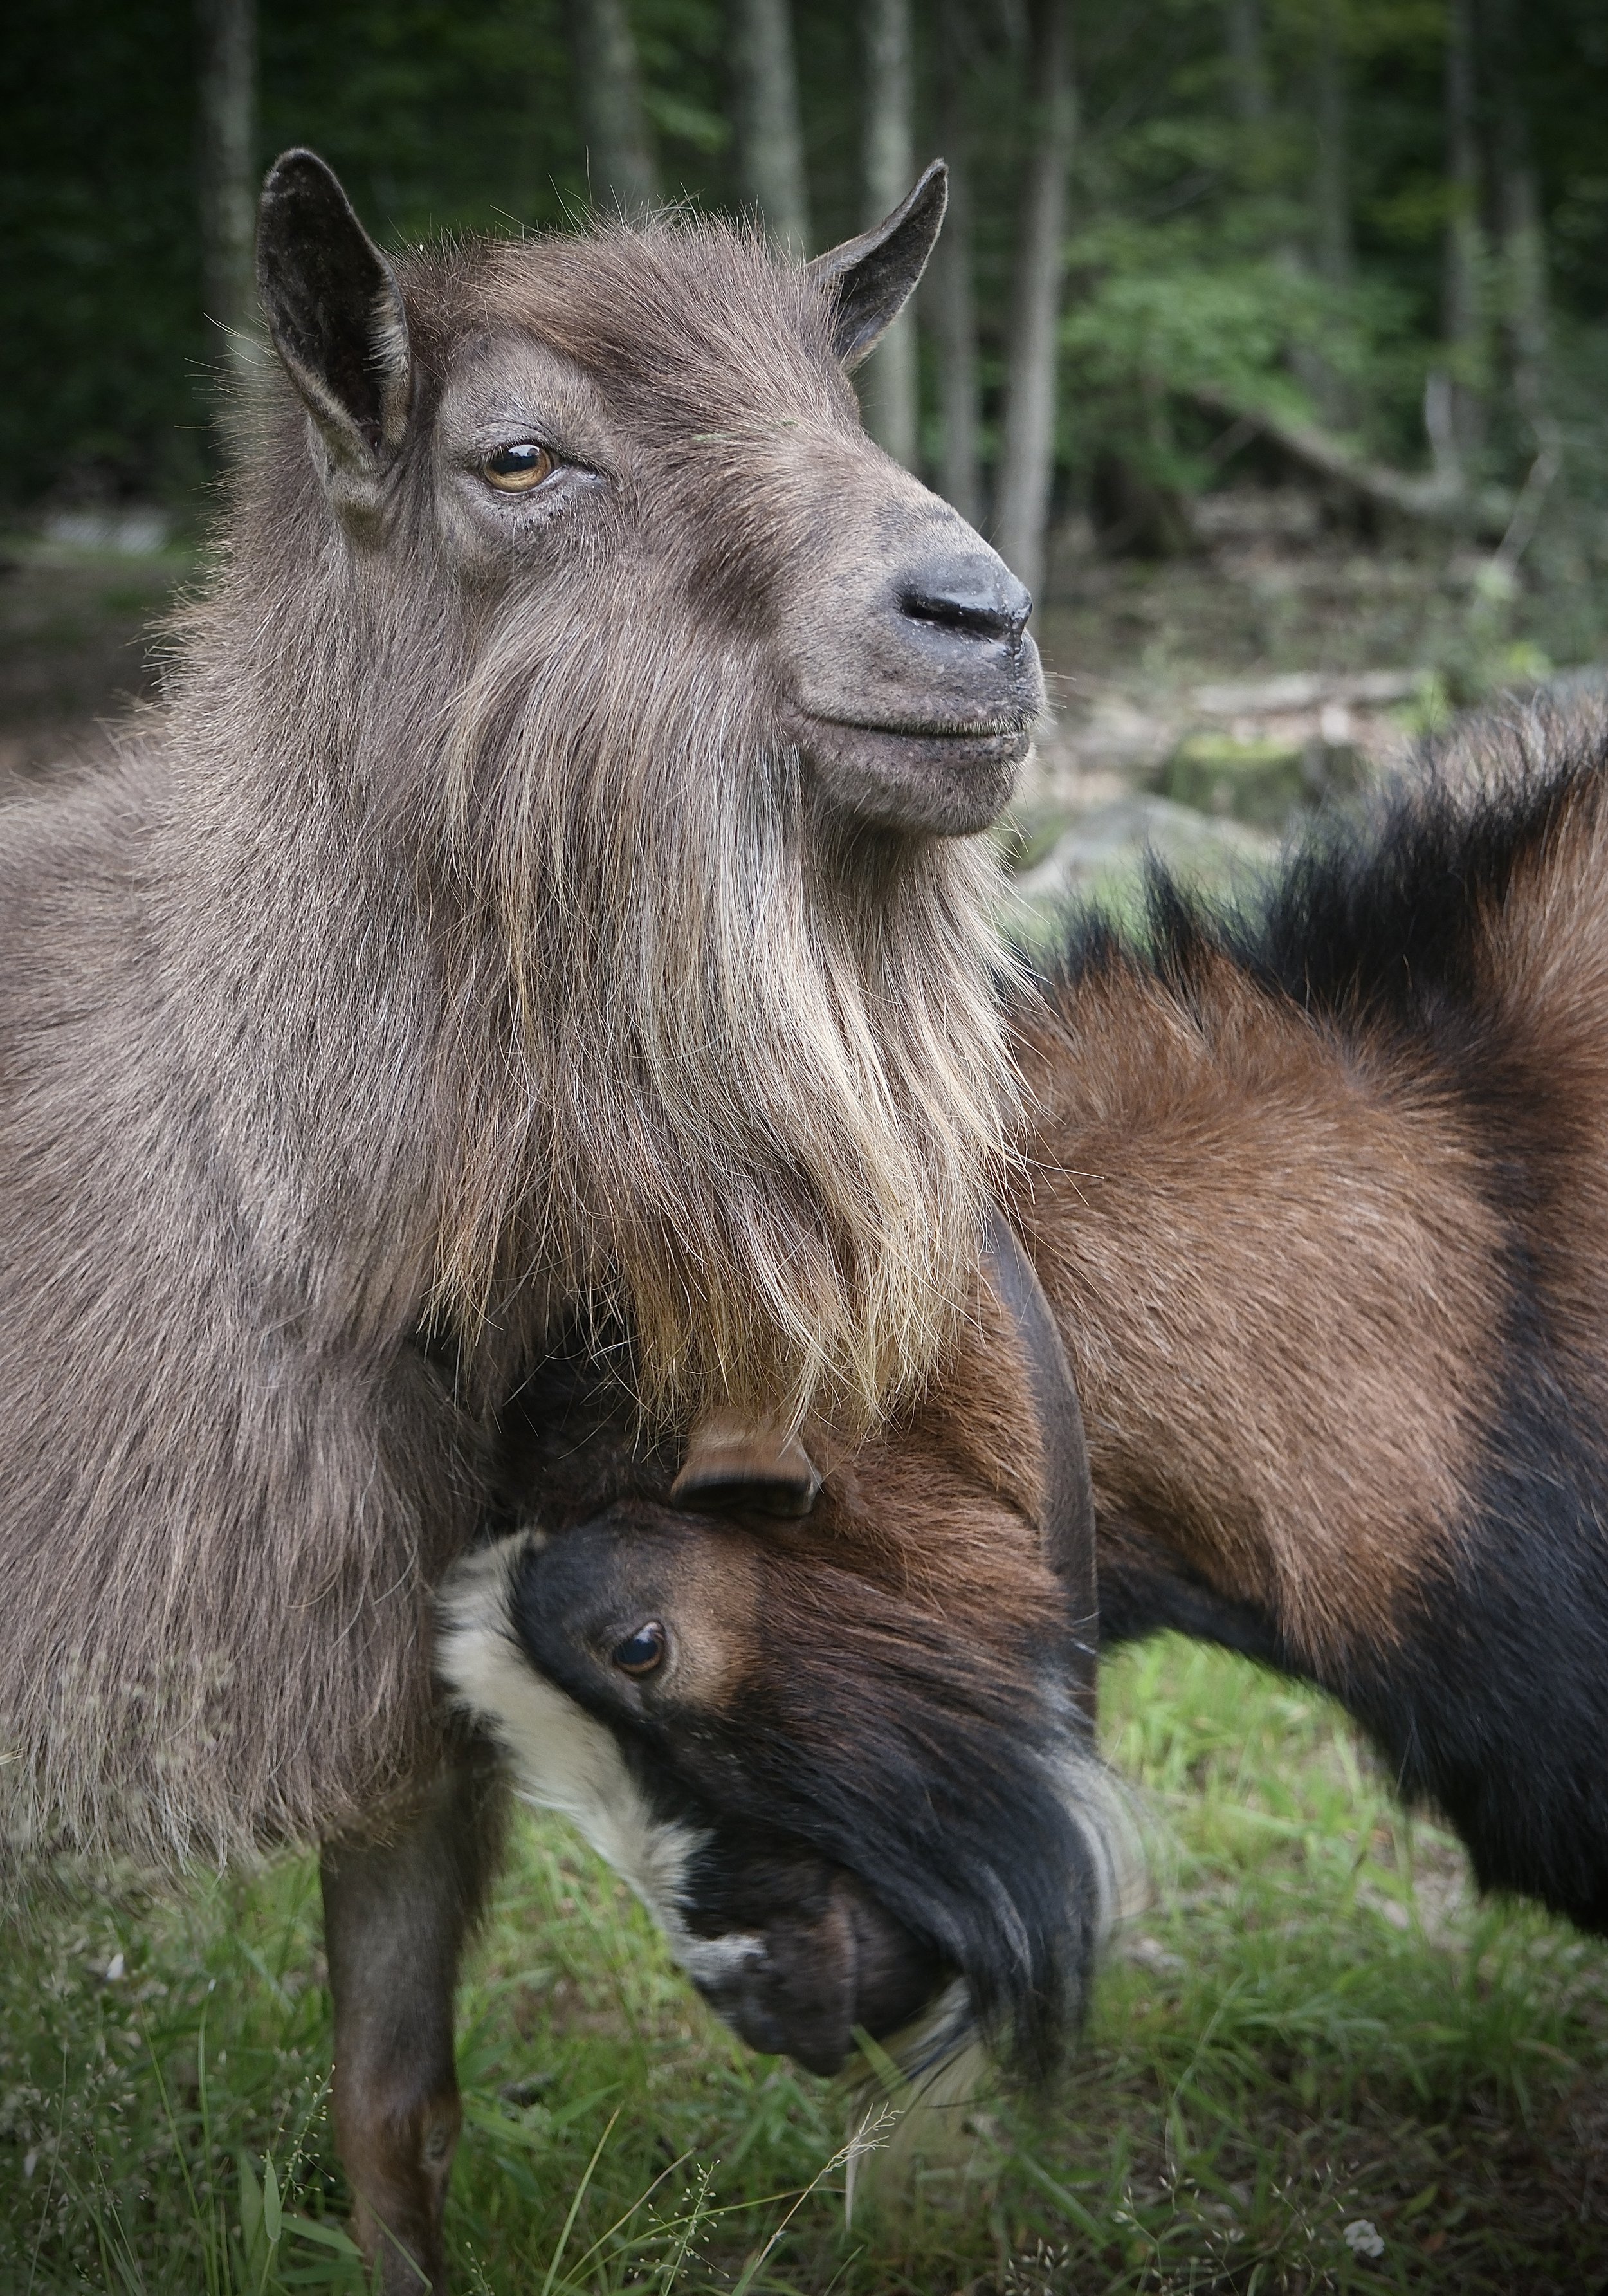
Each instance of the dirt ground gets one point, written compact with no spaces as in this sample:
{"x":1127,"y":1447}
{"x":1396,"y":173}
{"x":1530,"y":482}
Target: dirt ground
{"x":78,"y":643}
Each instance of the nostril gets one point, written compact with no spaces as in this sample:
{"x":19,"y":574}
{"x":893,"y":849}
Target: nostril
{"x":974,"y":598}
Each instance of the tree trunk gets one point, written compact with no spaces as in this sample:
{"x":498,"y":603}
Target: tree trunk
{"x":1524,"y":285}
{"x":1523,"y":231}
{"x":1441,"y":498}
{"x":1464,"y":349}
{"x":770,"y":141}
{"x":621,"y":167}
{"x":1027,"y":452}
{"x":1331,"y":204}
{"x":888,"y":391}
{"x":952,"y":304}
{"x":227,"y":30}
{"x":1331,"y":178}
{"x":1247,"y":66}
{"x":1260,"y":158}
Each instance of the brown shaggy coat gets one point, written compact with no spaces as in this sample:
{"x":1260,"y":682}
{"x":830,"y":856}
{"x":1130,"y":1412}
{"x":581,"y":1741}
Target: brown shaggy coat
{"x":1319,"y":1197}
{"x":1288,"y":1191}
{"x":1321,"y":1201}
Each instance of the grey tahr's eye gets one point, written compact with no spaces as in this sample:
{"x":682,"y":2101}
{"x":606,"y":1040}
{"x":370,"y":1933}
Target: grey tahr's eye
{"x":642,"y":1651}
{"x":518,"y":468}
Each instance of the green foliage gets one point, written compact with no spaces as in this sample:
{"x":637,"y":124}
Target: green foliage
{"x":99,"y":321}
{"x":1194,"y":252}
{"x":1161,"y":307}
{"x":1315,"y":2026}
{"x":1160,"y":313}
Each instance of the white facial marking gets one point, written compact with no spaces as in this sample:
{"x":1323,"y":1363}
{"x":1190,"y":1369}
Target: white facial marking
{"x":565,"y":1760}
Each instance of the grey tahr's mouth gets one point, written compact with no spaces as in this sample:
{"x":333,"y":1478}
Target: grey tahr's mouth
{"x":949,"y":784}
{"x":990,"y":726}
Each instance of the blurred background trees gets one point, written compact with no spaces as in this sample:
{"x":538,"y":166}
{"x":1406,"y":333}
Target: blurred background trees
{"x":1358,"y":243}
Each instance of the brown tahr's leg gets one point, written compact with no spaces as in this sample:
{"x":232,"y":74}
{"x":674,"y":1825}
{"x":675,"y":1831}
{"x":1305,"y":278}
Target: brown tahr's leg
{"x":396,"y":1910}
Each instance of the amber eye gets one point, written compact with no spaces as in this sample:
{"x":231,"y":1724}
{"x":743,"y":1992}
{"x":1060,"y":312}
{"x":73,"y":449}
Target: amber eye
{"x":518,"y":468}
{"x":642,"y":1651}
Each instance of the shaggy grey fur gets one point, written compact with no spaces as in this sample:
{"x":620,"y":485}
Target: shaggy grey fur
{"x":513,"y":895}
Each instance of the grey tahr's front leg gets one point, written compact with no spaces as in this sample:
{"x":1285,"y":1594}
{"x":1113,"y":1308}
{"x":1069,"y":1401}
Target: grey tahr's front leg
{"x":396,"y":1910}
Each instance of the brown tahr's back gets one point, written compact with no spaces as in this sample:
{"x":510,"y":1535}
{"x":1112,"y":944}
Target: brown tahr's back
{"x":1321,"y":1197}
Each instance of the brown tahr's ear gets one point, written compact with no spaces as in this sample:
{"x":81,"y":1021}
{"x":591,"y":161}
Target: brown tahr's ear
{"x":731,"y":1462}
{"x":336,"y":312}
{"x":875,"y":275}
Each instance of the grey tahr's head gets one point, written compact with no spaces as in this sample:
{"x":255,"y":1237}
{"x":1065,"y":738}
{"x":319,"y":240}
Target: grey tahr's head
{"x":846,"y":1756}
{"x":671,"y":701}
{"x":671,"y":400}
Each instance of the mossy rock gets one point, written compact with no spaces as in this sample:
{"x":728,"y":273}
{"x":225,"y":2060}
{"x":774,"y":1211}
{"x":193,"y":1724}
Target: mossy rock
{"x":1102,"y":859}
{"x":1024,"y":838}
{"x":1262,"y":783}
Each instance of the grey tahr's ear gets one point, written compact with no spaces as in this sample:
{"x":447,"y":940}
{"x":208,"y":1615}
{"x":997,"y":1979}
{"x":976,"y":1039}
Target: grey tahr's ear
{"x":336,"y":312}
{"x":875,"y":275}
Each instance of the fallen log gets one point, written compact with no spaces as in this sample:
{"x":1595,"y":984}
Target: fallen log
{"x":1484,"y":513}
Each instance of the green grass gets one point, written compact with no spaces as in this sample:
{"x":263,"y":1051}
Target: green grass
{"x":1315,"y":2026}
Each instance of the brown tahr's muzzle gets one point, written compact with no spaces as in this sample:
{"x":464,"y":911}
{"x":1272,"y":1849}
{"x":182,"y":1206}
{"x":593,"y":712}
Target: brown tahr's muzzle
{"x":835,"y":1804}
{"x":823,"y":1957}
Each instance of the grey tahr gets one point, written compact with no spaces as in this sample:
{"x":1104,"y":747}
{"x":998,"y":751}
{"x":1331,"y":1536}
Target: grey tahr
{"x":545,"y":873}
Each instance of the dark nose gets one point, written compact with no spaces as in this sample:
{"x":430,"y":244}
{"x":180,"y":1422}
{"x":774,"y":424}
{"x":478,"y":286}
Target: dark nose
{"x":831,"y":1959}
{"x":973,"y":595}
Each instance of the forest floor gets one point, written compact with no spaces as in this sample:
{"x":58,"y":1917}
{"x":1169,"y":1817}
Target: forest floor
{"x":1317,"y":2062}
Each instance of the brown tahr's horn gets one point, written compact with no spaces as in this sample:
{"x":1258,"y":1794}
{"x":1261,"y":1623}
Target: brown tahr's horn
{"x":731,"y":1462}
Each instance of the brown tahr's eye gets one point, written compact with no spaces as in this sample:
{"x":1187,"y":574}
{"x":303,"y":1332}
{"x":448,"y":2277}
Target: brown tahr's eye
{"x":642,"y":1651}
{"x":518,"y":468}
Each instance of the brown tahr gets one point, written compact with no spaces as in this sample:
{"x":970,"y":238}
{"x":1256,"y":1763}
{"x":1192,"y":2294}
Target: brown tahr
{"x":830,"y":1772}
{"x":1319,"y":1197}
{"x":1316,"y":1193}
{"x":772,"y":1708}
{"x":544,"y":872}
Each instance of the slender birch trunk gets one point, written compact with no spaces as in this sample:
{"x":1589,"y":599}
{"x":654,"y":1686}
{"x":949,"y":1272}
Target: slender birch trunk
{"x":1464,"y":251}
{"x":1252,"y":95}
{"x":1523,"y":265}
{"x":1524,"y":286}
{"x":952,"y":304}
{"x":1247,"y":66}
{"x":888,"y":391}
{"x":621,"y":167}
{"x":770,"y":141}
{"x":1028,"y":451}
{"x":1332,"y":246}
{"x":229,"y":172}
{"x":1332,"y":178}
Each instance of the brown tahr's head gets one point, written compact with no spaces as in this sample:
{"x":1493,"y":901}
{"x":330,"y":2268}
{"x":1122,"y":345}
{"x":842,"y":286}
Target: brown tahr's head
{"x":842,"y":1756}
{"x":683,"y":695}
